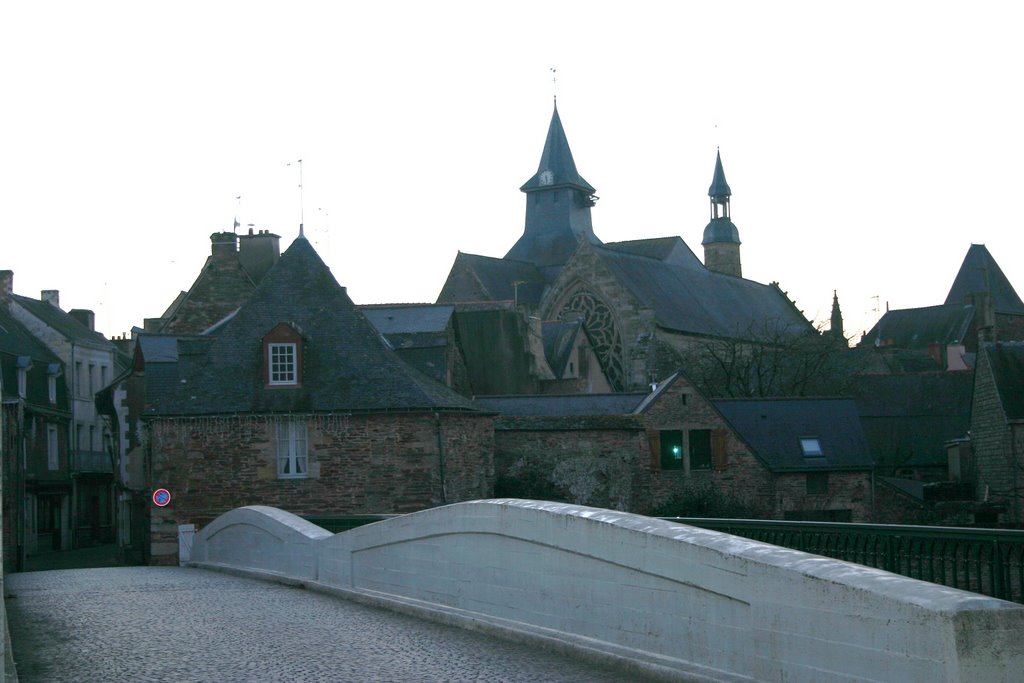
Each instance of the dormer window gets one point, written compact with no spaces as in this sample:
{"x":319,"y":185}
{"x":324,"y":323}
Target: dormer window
{"x":24,"y":364}
{"x":282,"y":356}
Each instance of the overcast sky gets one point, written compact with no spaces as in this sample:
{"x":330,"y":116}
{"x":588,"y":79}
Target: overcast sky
{"x":867,"y":145}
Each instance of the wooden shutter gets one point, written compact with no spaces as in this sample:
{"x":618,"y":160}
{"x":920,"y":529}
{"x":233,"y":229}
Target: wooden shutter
{"x":654,"y":441}
{"x":719,"y":454}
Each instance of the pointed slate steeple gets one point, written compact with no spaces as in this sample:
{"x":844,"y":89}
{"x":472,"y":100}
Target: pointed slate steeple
{"x":721,"y":238}
{"x":979,"y":273}
{"x":558,"y":203}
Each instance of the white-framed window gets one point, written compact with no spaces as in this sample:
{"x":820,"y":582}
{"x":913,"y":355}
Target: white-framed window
{"x":51,"y":388}
{"x":282,"y":363}
{"x":292,"y":458}
{"x":52,"y":455}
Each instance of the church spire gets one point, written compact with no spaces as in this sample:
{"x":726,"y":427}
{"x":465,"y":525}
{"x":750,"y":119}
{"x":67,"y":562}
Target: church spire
{"x":558,"y":203}
{"x":721,"y":238}
{"x":836,"y":329}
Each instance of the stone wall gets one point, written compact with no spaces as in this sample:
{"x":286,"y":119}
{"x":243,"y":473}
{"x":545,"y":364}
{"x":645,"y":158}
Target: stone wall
{"x":667,"y":599}
{"x":374,"y":463}
{"x":589,"y":461}
{"x":996,"y":473}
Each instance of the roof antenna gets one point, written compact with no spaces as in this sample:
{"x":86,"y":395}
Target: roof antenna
{"x":302,"y":205}
{"x":238,"y":208}
{"x":302,"y":212}
{"x":554,"y":83}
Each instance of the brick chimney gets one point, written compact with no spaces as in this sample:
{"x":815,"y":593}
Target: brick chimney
{"x":6,"y":283}
{"x":223,"y":244}
{"x":84,"y":316}
{"x":50,"y":296}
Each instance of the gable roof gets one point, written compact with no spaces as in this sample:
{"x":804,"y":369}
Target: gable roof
{"x":669,"y":249}
{"x":979,"y":272}
{"x":1007,"y":362}
{"x":493,"y":279}
{"x":703,"y":302}
{"x":18,"y":344}
{"x":346,"y":364}
{"x":773,"y":429}
{"x":409,"y":318}
{"x":61,"y":321}
{"x":908,"y":418}
{"x":918,"y":328}
{"x":558,"y":338}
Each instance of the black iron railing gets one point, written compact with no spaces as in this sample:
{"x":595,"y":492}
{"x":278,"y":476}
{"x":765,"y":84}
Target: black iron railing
{"x":986,"y":561}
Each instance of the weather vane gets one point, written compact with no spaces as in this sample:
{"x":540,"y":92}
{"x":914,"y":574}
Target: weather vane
{"x":554,"y":82}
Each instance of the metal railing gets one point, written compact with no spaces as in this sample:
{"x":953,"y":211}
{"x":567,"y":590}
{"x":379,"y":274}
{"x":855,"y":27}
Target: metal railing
{"x":986,"y":561}
{"x":91,"y":461}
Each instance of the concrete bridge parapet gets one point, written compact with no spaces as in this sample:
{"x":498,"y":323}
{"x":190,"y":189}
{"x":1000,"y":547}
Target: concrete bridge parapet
{"x":672,"y":600}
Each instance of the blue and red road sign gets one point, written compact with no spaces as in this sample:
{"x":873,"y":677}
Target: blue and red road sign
{"x":161,"y":497}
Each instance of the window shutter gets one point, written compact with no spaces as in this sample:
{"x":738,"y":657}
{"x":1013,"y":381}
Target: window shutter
{"x":654,"y":440}
{"x":719,"y":453}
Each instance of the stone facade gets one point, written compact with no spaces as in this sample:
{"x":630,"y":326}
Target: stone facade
{"x":619,"y":462}
{"x":621,"y":328}
{"x":998,"y":445}
{"x":357,"y":463}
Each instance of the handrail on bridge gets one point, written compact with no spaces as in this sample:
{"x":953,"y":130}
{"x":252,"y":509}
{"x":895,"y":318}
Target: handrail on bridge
{"x":986,"y":561}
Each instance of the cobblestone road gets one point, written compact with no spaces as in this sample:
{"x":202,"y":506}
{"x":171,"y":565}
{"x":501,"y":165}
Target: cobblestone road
{"x":177,"y":624}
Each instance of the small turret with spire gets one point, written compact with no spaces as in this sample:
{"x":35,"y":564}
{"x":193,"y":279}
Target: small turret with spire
{"x":558,"y":203}
{"x":721,"y":238}
{"x":835,"y":331}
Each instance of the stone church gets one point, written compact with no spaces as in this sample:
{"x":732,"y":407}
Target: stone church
{"x":645,"y":303}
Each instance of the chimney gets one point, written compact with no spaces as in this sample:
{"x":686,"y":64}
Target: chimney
{"x":223,"y":244}
{"x":50,"y":296}
{"x":258,"y":253}
{"x":6,"y":283}
{"x":84,"y":316}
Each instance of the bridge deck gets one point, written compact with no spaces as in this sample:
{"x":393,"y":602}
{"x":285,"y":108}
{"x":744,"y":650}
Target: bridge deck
{"x":179,"y":624}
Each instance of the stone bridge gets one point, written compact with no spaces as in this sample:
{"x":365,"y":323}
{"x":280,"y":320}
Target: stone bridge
{"x":671,"y":601}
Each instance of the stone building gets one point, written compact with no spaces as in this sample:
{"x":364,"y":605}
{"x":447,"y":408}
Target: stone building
{"x":646,"y":303}
{"x":981,"y":306}
{"x":294,"y":401}
{"x":673,"y":450}
{"x":995,"y":466}
{"x":36,"y":467}
{"x":229,"y":276}
{"x":89,"y":362}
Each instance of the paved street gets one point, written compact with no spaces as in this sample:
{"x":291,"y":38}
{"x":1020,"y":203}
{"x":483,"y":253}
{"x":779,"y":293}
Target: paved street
{"x":178,"y":624}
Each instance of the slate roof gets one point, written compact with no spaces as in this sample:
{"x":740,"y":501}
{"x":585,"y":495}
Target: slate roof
{"x":908,"y":418}
{"x":979,"y":272}
{"x":409,"y":318}
{"x":62,"y":322}
{"x":703,"y":302}
{"x":557,"y":158}
{"x":1007,"y":362}
{"x":573,"y":405}
{"x":346,"y":365}
{"x":719,"y":188}
{"x":918,"y":328}
{"x":669,"y":249}
{"x":496,"y":276}
{"x":773,"y":428}
{"x":558,"y":338}
{"x":16,"y":341}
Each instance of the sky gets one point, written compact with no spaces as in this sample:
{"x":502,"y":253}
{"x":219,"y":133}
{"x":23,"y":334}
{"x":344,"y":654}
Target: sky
{"x":867,"y":144}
